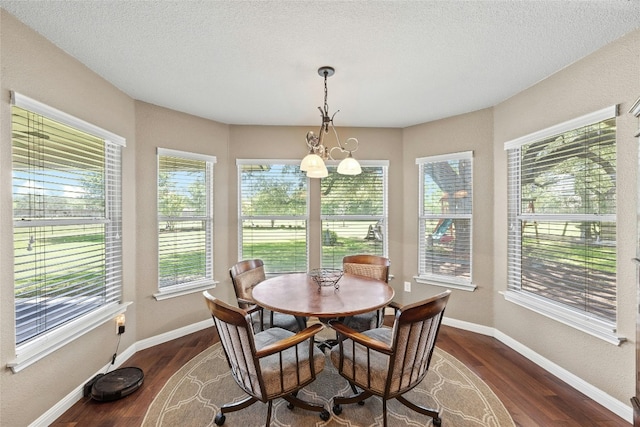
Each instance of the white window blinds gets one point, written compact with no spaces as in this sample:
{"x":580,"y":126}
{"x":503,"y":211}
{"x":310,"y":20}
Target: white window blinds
{"x":354,"y":213}
{"x":562,"y":215}
{"x":67,"y":218}
{"x":273,"y":206}
{"x":446,"y":208}
{"x":185,"y":219}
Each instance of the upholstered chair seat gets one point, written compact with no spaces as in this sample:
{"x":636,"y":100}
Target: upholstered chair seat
{"x":375,"y":376}
{"x":292,"y":364}
{"x":388,"y":362}
{"x":364,"y":321}
{"x":274,"y":363}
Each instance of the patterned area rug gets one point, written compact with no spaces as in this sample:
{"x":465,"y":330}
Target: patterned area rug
{"x":193,"y":395}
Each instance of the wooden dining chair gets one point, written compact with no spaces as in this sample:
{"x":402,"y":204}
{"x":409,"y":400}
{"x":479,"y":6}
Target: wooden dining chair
{"x":267,"y":365}
{"x":245,"y":275}
{"x":388,"y":362}
{"x":375,"y":267}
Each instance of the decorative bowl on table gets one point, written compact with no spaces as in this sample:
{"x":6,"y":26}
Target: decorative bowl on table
{"x":326,"y":277}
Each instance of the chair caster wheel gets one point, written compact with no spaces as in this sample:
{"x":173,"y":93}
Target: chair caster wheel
{"x":324,"y":415}
{"x":219,"y":419}
{"x":337,"y":409}
{"x":361,"y":403}
{"x":437,"y":422}
{"x":290,"y":406}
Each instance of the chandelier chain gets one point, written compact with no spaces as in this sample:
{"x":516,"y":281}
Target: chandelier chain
{"x":326,"y":106}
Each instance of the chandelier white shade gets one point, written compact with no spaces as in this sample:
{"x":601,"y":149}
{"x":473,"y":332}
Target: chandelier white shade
{"x":313,"y":163}
{"x":310,"y":162}
{"x":319,"y":172}
{"x":349,"y":166}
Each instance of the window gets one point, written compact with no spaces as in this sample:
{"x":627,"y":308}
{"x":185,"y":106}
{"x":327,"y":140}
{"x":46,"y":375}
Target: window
{"x":185,"y":222}
{"x":273,"y":205}
{"x":67,"y":227}
{"x":562,"y":222}
{"x":445,"y":211}
{"x":354,"y":213}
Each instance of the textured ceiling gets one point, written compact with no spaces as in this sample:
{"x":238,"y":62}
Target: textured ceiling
{"x":398,"y":63}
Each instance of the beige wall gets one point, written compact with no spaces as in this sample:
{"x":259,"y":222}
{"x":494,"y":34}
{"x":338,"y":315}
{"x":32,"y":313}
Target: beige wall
{"x":33,"y":66}
{"x":610,"y":76}
{"x":158,"y":127}
{"x":467,"y":132}
{"x":36,"y":68}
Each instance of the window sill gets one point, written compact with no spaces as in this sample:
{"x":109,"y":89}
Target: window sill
{"x":180,"y":290}
{"x":35,"y":350}
{"x":598,"y":328}
{"x":451,"y":284}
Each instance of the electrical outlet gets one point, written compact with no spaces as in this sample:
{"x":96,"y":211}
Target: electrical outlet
{"x":120,"y":321}
{"x":407,"y":286}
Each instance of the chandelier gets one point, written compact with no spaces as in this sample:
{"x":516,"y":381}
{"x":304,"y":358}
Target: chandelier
{"x":313,"y":163}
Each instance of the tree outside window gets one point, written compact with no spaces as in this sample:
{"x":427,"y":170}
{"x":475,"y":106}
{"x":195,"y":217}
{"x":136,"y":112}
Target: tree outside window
{"x":562,"y":222}
{"x":446,"y":207}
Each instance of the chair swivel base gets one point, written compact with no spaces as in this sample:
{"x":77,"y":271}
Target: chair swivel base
{"x":294,"y":401}
{"x":360,"y":397}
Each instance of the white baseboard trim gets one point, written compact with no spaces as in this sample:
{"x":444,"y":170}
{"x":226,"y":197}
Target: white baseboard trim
{"x":467,"y":326}
{"x":172,"y":335}
{"x":76,"y":395}
{"x":70,"y":399}
{"x":614,"y":405}
{"x":604,"y":399}
{"x":599,"y":396}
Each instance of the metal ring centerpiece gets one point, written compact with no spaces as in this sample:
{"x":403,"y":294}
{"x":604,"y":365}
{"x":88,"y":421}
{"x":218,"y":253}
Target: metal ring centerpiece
{"x":325,"y":277}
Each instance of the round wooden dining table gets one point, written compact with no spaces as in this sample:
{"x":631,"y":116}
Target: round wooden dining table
{"x":298,"y":294}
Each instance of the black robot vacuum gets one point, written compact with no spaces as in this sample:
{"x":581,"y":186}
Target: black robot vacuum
{"x":117,"y":384}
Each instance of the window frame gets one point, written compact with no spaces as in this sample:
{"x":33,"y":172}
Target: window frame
{"x":583,"y":321}
{"x":189,"y":287}
{"x":40,"y":346}
{"x":384,"y":217}
{"x":423,"y":276}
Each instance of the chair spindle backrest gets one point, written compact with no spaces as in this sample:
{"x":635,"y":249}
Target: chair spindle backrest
{"x":373,"y":266}
{"x":245,"y":275}
{"x":237,"y":339}
{"x":414,"y":335}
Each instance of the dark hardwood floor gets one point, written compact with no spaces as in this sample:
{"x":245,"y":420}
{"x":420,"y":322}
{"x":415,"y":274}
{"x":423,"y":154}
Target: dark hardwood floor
{"x":532,"y":396}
